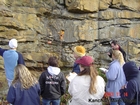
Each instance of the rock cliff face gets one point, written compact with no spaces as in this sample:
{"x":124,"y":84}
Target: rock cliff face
{"x":38,"y":24}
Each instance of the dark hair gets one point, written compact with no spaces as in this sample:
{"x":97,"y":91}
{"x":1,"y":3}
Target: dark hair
{"x":53,"y":61}
{"x":115,"y":42}
{"x":110,"y":53}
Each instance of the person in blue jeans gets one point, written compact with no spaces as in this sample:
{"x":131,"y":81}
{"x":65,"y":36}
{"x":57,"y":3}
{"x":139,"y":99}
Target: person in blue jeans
{"x":11,"y":58}
{"x":53,"y":102}
{"x":53,"y":83}
{"x":115,"y":78}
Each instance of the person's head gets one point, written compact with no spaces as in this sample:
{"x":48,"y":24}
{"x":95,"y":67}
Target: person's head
{"x":53,"y":61}
{"x":116,"y":54}
{"x":87,"y":68}
{"x":79,"y":51}
{"x":130,"y":70}
{"x":114,"y":45}
{"x":13,"y":44}
{"x":24,"y":76}
{"x":85,"y":62}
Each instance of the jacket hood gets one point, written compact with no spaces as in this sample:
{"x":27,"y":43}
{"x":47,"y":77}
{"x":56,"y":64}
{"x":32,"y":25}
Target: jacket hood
{"x":131,"y":70}
{"x":53,"y":70}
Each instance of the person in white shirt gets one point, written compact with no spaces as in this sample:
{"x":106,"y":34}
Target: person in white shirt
{"x":87,"y":88}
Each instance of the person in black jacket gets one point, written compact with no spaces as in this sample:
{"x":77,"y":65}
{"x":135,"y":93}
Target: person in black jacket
{"x":116,"y":46}
{"x":52,"y":83}
{"x":129,"y":91}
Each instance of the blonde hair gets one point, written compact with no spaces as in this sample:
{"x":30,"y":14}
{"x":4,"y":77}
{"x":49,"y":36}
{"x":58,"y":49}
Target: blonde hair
{"x":119,"y":56}
{"x":90,"y":70}
{"x":24,"y":76}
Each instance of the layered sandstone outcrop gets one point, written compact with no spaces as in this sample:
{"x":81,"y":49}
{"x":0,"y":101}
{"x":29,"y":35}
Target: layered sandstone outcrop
{"x":37,"y":24}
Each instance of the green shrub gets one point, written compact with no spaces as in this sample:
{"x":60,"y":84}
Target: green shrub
{"x":66,"y":96}
{"x":102,"y":75}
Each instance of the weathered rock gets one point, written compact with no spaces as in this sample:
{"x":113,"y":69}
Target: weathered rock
{"x":127,"y":4}
{"x":82,"y":5}
{"x":104,"y":4}
{"x":37,"y":24}
{"x":134,"y":31}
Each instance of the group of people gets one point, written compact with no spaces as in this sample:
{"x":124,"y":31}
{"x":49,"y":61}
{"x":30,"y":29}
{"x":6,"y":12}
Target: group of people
{"x":86,"y":88}
{"x":123,"y":79}
{"x":25,"y":88}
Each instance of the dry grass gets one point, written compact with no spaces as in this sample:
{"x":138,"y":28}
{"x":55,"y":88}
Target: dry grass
{"x":3,"y":81}
{"x":3,"y":88}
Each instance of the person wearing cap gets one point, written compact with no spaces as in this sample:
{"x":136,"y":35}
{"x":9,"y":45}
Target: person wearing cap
{"x":87,"y":88}
{"x":115,"y":78}
{"x":11,"y":58}
{"x":132,"y":88}
{"x":79,"y":51}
